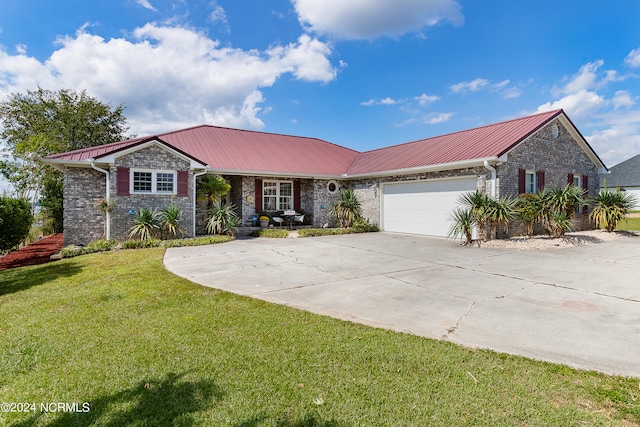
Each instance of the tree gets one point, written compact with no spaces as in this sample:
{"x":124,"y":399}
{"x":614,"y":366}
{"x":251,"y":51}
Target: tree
{"x":43,"y":122}
{"x":212,"y":188}
{"x":610,"y":207}
{"x":15,"y":221}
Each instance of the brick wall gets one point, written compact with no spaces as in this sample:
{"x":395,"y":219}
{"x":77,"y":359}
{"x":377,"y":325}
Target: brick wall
{"x":557,"y":157}
{"x":83,"y":223}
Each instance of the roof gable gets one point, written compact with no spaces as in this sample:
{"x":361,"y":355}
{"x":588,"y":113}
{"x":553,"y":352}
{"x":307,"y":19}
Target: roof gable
{"x":235,"y":151}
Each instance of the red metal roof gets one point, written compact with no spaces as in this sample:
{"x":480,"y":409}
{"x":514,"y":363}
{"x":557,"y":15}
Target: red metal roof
{"x":483,"y":142}
{"x":230,"y":150}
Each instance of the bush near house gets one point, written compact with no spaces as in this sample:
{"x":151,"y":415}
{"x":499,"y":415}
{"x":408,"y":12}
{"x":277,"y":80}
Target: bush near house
{"x":553,"y":209}
{"x":610,"y":207}
{"x":15,"y":222}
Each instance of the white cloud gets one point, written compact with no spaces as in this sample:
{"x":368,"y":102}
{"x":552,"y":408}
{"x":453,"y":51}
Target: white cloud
{"x":369,"y":19}
{"x":622,"y":98}
{"x":169,"y":77}
{"x":616,"y":143}
{"x":578,"y":104}
{"x":383,"y":101}
{"x":472,"y":86}
{"x":633,"y":58}
{"x":425,"y":99}
{"x":146,"y":4}
{"x":219,"y":16}
{"x":428,"y":119}
{"x":21,"y":49}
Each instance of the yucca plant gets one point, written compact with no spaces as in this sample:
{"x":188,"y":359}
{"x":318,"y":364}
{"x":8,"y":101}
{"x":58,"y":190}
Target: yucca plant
{"x":222,"y":219}
{"x":347,"y":208}
{"x":610,"y":207}
{"x":171,"y":219}
{"x":146,"y":223}
{"x":463,"y":223}
{"x":478,"y":202}
{"x":501,"y":212}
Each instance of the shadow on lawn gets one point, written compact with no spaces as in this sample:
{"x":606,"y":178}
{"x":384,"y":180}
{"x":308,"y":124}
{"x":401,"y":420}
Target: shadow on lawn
{"x":166,"y":402}
{"x":20,"y":279}
{"x":308,"y":421}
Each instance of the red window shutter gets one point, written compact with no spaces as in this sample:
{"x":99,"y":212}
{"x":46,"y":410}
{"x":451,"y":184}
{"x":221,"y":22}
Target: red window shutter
{"x":258,"y":195}
{"x":122,"y":182}
{"x":570,"y":178}
{"x":521,"y":181}
{"x":183,"y":183}
{"x":296,"y":195}
{"x":540,"y":180}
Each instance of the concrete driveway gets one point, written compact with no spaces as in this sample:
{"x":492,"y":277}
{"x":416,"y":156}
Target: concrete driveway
{"x":578,"y":306}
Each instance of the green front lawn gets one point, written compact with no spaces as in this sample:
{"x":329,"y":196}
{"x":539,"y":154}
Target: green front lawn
{"x":146,"y":348}
{"x":632,"y":224}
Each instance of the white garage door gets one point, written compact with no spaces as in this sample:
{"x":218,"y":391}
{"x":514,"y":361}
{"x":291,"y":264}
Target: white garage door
{"x":422,"y":207}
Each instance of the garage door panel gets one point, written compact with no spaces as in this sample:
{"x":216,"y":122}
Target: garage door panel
{"x":423,"y":207}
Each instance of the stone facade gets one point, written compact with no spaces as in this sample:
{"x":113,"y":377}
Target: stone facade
{"x":542,"y":151}
{"x":83,"y":223}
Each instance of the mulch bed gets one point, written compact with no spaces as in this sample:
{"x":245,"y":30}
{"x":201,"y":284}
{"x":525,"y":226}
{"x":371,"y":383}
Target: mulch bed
{"x":36,"y":253}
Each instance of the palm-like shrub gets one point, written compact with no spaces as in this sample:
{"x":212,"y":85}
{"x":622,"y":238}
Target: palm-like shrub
{"x":146,"y":223}
{"x":212,"y":188}
{"x":559,"y":207}
{"x":347,"y":208}
{"x":478,"y":203}
{"x":171,"y":219}
{"x":501,"y":212}
{"x":610,"y":207}
{"x":222,"y":219}
{"x":463,"y":223}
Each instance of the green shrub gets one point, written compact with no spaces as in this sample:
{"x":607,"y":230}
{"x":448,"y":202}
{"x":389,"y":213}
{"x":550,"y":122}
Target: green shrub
{"x":196,"y":241}
{"x":15,"y":222}
{"x":93,"y":247}
{"x":271,"y":233}
{"x":222,"y":219}
{"x":139,"y":244}
{"x":463,"y":223}
{"x":347,"y":208}
{"x":146,"y":223}
{"x":362,"y":225}
{"x":610,"y":207}
{"x":171,"y":219}
{"x":315,"y":232}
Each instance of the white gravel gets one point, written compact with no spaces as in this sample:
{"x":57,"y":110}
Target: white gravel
{"x":578,"y":238}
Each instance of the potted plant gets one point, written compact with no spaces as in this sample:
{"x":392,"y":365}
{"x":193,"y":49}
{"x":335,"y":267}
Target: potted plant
{"x":264,"y":221}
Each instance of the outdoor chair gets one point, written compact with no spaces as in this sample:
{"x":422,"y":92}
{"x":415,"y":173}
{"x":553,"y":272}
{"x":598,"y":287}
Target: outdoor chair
{"x":299,"y":219}
{"x":277,"y":220}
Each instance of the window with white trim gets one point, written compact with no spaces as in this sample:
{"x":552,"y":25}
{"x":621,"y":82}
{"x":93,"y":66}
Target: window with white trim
{"x":153,"y":182}
{"x":530,"y":182}
{"x":277,"y":195}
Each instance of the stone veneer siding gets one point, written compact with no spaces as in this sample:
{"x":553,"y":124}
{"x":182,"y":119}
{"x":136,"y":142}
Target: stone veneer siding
{"x":83,"y":223}
{"x":557,"y":157}
{"x":152,"y":158}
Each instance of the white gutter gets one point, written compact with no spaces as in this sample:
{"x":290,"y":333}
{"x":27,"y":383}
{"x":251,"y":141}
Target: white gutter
{"x":195,"y":198}
{"x":493,"y":178}
{"x":107,"y":196}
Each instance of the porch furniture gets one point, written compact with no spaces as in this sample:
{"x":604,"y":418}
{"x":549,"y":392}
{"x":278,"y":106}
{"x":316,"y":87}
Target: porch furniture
{"x":298,"y":219}
{"x":290,"y":215}
{"x":277,"y":220}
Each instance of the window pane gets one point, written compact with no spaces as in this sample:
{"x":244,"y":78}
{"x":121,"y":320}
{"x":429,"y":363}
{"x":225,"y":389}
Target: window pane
{"x":142,"y":181}
{"x":164,"y":182}
{"x":530,"y":182}
{"x":270,"y":188}
{"x":286,"y":189}
{"x":270,"y":203}
{"x":285,"y":203}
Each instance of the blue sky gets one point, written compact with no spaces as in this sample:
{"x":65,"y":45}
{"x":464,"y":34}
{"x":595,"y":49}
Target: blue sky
{"x":362,"y":74}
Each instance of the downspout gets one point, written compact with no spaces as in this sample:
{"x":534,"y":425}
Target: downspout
{"x":195,"y":197}
{"x":493,"y":178}
{"x":107,"y":196}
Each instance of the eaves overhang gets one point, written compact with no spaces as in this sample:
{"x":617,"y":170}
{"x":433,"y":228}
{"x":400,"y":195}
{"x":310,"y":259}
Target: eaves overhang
{"x":461,"y":164}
